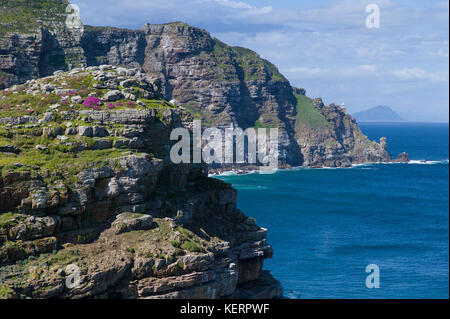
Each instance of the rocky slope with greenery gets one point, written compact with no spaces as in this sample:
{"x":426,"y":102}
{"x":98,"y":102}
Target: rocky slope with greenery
{"x":35,"y":40}
{"x":86,"y":181}
{"x":217,"y":83}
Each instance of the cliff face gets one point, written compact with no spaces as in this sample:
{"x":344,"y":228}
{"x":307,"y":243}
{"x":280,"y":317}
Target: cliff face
{"x":35,"y":40}
{"x":329,"y":137}
{"x":86,"y":181}
{"x":223,"y":85}
{"x":217,"y":83}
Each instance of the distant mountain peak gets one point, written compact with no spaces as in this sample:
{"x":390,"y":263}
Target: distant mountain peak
{"x":380,"y":113}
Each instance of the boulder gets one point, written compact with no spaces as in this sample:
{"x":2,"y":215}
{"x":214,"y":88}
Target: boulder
{"x":129,"y":83}
{"x":113,"y":95}
{"x":40,"y":147}
{"x":102,"y":145}
{"x":85,"y":131}
{"x":100,"y":131}
{"x":127,"y":222}
{"x":9,"y":149}
{"x":403,"y":158}
{"x":76,"y":99}
{"x":70,"y":131}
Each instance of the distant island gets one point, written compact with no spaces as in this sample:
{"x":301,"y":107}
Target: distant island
{"x":379,"y":113}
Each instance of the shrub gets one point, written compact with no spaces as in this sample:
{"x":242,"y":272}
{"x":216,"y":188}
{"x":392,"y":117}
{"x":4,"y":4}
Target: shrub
{"x":192,"y":247}
{"x":175,"y":243}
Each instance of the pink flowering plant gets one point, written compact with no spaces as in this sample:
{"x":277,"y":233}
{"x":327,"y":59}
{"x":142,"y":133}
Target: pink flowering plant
{"x":92,"y":102}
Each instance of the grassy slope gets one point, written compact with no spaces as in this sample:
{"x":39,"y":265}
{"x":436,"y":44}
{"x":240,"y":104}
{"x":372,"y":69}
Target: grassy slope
{"x":23,"y":15}
{"x":58,"y":155}
{"x":307,"y":114}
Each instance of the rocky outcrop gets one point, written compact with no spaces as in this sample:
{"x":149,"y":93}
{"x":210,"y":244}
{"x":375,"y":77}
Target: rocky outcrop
{"x":330,"y":137}
{"x":403,"y":158}
{"x":225,"y":86}
{"x":98,"y":210}
{"x":220,"y":84}
{"x":35,"y":40}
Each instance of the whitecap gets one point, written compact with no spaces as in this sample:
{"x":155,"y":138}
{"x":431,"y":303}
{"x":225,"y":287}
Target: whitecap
{"x":425,"y":162}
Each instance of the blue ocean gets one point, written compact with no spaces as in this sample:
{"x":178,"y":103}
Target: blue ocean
{"x":327,"y":225}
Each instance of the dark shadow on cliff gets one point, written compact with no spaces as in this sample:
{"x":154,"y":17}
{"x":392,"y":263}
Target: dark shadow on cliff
{"x":52,"y":57}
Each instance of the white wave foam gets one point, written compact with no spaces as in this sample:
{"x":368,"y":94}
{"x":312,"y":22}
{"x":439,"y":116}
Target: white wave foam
{"x":425,"y":162}
{"x":233,"y":173}
{"x":362,"y":166}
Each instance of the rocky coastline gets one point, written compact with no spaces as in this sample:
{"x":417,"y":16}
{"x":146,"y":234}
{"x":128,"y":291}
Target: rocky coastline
{"x":91,"y":206}
{"x":86,"y":180}
{"x":216,"y":83}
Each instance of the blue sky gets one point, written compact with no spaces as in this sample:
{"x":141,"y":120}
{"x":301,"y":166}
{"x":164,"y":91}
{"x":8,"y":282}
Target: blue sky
{"x":322,"y":45}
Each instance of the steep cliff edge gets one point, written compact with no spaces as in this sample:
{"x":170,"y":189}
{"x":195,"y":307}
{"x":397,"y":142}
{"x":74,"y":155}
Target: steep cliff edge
{"x":87,"y":189}
{"x":217,"y":83}
{"x":328,"y":136}
{"x":223,"y":85}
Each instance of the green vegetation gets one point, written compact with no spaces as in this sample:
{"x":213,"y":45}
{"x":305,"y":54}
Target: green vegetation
{"x":191,"y":246}
{"x":20,"y":103}
{"x":194,"y":110}
{"x":307,"y":114}
{"x":61,"y":257}
{"x":27,"y":104}
{"x":175,"y":243}
{"x":63,"y":157}
{"x":259,"y":124}
{"x":67,"y":164}
{"x":84,"y":238}
{"x":347,"y":122}
{"x":9,"y":220}
{"x":224,"y":62}
{"x":185,"y":232}
{"x":267,"y":120}
{"x":254,"y":67}
{"x":90,"y":28}
{"x":274,"y":74}
{"x":6,"y":292}
{"x":25,"y":15}
{"x":177,"y":24}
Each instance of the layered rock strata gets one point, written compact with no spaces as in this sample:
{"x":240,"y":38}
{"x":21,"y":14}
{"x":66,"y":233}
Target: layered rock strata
{"x":87,"y":187}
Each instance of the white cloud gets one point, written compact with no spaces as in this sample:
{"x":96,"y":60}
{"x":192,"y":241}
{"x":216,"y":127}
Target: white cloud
{"x":301,"y":72}
{"x":234,"y":4}
{"x":239,"y":9}
{"x":250,"y":10}
{"x":359,"y":70}
{"x":421,"y":74}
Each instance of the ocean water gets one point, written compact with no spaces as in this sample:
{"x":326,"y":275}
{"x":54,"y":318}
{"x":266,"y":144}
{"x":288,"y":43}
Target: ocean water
{"x":327,"y":225}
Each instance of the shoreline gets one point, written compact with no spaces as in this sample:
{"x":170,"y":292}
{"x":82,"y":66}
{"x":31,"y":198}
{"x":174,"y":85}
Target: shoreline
{"x":253,"y":170}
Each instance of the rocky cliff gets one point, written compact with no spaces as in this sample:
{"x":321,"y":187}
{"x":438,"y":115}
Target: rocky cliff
{"x":92,"y":207}
{"x":217,"y":83}
{"x":35,"y":40}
